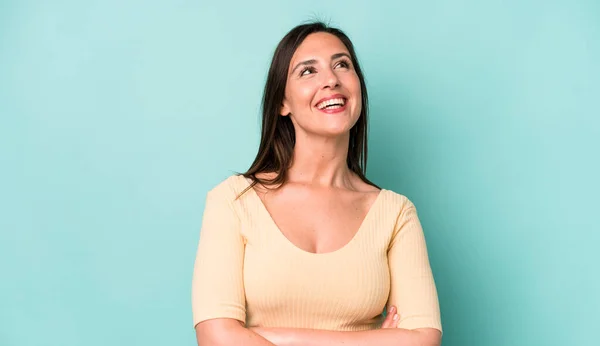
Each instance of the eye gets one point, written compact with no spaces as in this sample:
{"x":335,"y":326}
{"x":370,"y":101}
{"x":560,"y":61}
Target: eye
{"x":343,"y":63}
{"x":304,"y":71}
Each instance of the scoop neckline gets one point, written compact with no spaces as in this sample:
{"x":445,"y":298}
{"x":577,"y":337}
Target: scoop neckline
{"x":273,"y":224}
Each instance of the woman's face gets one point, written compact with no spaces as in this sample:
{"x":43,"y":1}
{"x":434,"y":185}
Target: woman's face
{"x":322,"y":93}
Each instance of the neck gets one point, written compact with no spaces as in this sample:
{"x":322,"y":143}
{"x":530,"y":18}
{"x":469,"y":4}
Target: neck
{"x":320,"y":161}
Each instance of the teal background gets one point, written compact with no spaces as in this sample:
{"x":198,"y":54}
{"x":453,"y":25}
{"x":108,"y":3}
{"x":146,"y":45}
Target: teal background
{"x":117,"y":118}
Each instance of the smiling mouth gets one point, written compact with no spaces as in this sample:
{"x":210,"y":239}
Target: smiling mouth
{"x":332,"y":104}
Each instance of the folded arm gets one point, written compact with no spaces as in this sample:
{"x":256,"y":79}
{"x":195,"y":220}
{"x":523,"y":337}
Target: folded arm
{"x":389,"y":334}
{"x":226,"y":332}
{"x":381,"y":337}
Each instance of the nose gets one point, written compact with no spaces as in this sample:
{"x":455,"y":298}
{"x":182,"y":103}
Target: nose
{"x":330,"y":79}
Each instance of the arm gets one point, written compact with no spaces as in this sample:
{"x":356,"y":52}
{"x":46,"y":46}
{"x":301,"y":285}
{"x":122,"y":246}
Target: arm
{"x":413,"y":288}
{"x":227,"y":331}
{"x":218,"y":298}
{"x":388,"y":335}
{"x":381,"y":337}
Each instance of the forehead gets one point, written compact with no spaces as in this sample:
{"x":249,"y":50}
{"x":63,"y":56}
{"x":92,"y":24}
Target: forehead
{"x":320,"y":45}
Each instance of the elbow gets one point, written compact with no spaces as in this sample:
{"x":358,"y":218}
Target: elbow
{"x":216,"y":332}
{"x":428,"y":337}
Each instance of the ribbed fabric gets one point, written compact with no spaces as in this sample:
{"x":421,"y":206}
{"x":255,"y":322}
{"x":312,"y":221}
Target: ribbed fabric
{"x":246,"y":269}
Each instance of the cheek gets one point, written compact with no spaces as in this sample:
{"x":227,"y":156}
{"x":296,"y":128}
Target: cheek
{"x":359,"y":102}
{"x":351,"y":83}
{"x":354,"y":88}
{"x":355,"y":85}
{"x":301,"y":95}
{"x":307,"y":93}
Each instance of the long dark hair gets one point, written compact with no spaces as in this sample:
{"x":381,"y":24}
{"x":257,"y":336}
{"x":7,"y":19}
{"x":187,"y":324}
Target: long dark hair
{"x":278,"y":138}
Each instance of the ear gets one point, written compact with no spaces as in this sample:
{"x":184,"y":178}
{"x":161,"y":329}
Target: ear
{"x":285,"y":109}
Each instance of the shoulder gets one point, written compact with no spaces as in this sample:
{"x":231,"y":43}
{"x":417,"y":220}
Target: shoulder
{"x":229,"y":188}
{"x":397,"y":202}
{"x":403,"y":212}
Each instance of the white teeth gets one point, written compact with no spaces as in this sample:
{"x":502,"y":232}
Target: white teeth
{"x":324,"y":104}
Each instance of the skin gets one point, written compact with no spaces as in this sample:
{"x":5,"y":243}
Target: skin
{"x":330,"y":73}
{"x":323,"y":203}
{"x":227,"y":331}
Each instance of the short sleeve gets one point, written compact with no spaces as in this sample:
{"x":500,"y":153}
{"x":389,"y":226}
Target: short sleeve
{"x":217,"y":284}
{"x":412,"y":289}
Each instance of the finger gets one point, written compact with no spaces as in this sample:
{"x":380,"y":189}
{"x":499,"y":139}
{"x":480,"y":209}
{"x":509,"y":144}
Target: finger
{"x":395,"y":319}
{"x":389,"y":319}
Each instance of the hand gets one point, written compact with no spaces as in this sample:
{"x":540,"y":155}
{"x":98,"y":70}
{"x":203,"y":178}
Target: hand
{"x":392,"y":318}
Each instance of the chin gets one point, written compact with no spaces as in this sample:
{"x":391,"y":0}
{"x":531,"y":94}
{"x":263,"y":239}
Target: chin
{"x":335,"y":131}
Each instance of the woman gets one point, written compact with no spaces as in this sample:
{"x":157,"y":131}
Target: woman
{"x":303,"y":249}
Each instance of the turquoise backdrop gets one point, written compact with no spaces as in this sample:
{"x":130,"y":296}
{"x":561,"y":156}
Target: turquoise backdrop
{"x":118,"y":116}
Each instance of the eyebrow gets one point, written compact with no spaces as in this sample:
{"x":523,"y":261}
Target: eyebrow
{"x":313,"y":61}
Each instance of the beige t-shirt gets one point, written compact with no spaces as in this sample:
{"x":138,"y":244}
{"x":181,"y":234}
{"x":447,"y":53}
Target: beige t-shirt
{"x":246,"y":269}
